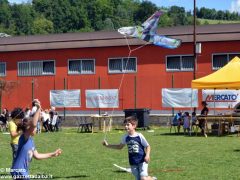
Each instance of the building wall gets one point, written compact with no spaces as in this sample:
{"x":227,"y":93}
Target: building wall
{"x":150,"y":78}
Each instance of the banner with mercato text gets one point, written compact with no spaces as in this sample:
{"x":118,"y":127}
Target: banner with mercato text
{"x":102,"y":98}
{"x":221,"y":98}
{"x":65,"y":98}
{"x":179,"y":97}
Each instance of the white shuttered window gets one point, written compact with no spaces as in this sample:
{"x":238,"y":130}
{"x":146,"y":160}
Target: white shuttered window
{"x":122,"y":65}
{"x":36,"y":68}
{"x":220,"y":60}
{"x":2,"y":69}
{"x":180,"y":63}
{"x":81,"y":66}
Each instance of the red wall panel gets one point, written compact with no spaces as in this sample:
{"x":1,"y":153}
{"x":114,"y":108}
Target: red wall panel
{"x":150,"y":78}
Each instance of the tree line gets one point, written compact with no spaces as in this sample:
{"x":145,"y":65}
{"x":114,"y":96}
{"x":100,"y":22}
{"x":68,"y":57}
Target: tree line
{"x":62,"y":16}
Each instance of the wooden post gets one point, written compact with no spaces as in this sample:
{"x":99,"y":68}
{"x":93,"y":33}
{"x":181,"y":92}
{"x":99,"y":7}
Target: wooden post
{"x":65,"y":87}
{"x":135,"y":92}
{"x":32,"y":89}
{"x":1,"y":100}
{"x":172,"y":87}
{"x":99,"y":87}
{"x":194,"y":40}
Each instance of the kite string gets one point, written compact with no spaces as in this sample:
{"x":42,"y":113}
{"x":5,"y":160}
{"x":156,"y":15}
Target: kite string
{"x":121,"y":81}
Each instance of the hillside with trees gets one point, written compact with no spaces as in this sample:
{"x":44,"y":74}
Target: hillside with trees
{"x":62,"y":16}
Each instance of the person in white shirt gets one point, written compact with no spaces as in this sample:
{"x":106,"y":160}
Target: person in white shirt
{"x":45,"y":119}
{"x":33,"y":111}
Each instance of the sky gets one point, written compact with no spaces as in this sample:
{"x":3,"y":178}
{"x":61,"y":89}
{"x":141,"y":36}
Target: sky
{"x":231,"y":5}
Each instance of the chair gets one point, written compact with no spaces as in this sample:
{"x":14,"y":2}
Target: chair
{"x":236,"y":125}
{"x":84,"y":125}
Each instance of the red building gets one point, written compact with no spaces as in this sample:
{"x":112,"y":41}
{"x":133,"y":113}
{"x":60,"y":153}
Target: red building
{"x":33,"y":65}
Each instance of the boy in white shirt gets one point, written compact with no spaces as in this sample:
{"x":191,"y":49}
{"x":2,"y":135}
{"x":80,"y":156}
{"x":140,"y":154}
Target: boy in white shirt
{"x":138,"y":149}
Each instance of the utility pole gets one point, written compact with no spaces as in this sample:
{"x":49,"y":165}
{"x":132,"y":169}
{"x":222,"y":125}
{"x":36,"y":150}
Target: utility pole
{"x":194,"y":40}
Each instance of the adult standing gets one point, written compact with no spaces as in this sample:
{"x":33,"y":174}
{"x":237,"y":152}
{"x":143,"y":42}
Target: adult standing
{"x":202,"y":122}
{"x":33,"y":111}
{"x":53,"y":122}
{"x":45,"y":119}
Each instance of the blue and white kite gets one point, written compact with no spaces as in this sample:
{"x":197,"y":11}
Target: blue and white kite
{"x":148,"y":32}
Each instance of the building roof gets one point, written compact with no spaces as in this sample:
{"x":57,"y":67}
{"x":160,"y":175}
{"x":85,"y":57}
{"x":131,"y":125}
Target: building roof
{"x":204,"y":33}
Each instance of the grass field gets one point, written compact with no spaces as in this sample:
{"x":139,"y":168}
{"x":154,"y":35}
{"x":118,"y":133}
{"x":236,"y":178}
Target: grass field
{"x":210,"y":21}
{"x":172,"y":157}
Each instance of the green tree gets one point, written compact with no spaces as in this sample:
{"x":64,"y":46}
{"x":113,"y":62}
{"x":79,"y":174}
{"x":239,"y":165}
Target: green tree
{"x":108,"y":24}
{"x":122,"y":16}
{"x":165,"y":21}
{"x":42,"y":26}
{"x":78,"y":19}
{"x":23,"y":16}
{"x":6,"y":22}
{"x":98,"y":11}
{"x":146,"y":9}
{"x":220,"y":15}
{"x":126,"y":12}
{"x":5,"y":14}
{"x":227,"y":15}
{"x":206,"y":13}
{"x":66,"y":15}
{"x":43,"y":7}
{"x":104,"y":10}
{"x":178,"y":15}
{"x":61,"y":16}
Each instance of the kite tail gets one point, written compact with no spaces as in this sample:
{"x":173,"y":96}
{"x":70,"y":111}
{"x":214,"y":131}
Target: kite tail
{"x":166,"y":42}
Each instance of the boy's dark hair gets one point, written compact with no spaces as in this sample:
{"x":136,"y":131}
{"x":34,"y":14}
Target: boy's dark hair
{"x":131,"y":119}
{"x":17,"y":113}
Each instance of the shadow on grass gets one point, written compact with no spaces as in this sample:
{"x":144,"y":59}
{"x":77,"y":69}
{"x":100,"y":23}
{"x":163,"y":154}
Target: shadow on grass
{"x":177,"y":134}
{"x":119,"y":129}
{"x":236,"y":150}
{"x":71,"y":177}
{"x":193,"y":135}
{"x":166,"y":170}
{"x":119,"y":171}
{"x":171,"y":134}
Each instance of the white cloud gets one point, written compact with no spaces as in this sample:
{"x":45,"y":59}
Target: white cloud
{"x":235,"y":6}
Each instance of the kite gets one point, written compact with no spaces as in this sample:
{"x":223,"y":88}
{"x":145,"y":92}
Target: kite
{"x":4,"y":35}
{"x":148,"y":32}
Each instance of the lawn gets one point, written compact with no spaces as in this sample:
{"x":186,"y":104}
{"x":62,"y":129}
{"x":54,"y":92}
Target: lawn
{"x":210,"y":21}
{"x":172,"y":157}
